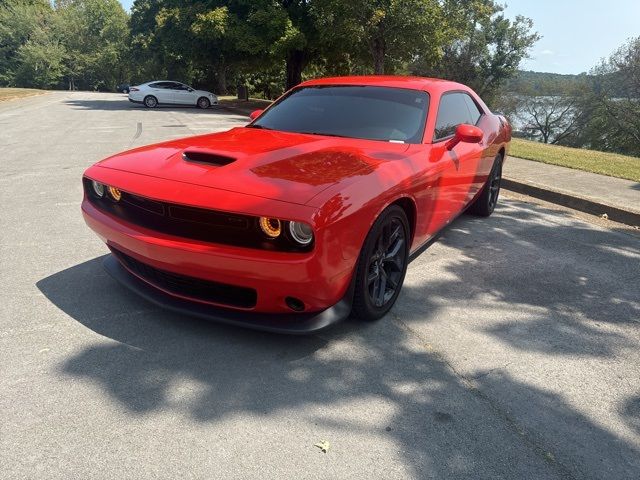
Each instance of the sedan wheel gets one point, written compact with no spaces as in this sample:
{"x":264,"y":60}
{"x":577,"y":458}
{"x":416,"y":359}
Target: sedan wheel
{"x":204,"y":103}
{"x":382,"y":265}
{"x":150,"y":101}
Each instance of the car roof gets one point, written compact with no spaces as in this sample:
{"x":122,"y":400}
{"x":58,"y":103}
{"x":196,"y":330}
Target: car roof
{"x":413,"y":83}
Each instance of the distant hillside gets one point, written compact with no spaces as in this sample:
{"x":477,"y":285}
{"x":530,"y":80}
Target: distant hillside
{"x":543,"y":83}
{"x":551,"y":84}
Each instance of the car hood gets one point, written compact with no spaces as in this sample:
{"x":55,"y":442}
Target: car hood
{"x":282,"y":166}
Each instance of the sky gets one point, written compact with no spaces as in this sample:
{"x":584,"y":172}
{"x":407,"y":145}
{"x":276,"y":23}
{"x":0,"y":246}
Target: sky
{"x":576,"y":34}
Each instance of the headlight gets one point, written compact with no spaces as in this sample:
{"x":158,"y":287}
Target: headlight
{"x":98,"y":188}
{"x":301,"y":232}
{"x":272,"y":227}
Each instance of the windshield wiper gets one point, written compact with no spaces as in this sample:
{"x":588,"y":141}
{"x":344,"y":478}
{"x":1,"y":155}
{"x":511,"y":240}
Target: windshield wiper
{"x":258,"y":126}
{"x":325,"y":134}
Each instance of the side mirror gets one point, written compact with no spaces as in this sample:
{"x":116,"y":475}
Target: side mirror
{"x":255,"y":114}
{"x":467,"y":134}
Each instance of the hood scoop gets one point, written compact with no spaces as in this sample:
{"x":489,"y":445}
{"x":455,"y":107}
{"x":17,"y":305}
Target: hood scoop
{"x":207,"y":157}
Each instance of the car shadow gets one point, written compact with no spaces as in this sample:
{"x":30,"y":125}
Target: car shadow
{"x":115,"y":104}
{"x":562,"y":275}
{"x":443,"y":427}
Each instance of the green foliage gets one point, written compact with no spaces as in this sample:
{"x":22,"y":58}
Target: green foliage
{"x":384,"y":35}
{"x":94,"y":44}
{"x":95,"y":33}
{"x":486,"y":48}
{"x":25,"y":33}
{"x":79,"y":43}
{"x":614,"y":106}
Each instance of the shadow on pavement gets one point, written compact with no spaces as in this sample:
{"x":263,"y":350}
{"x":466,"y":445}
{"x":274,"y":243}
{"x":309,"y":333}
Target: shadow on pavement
{"x":125,"y":104}
{"x":443,"y":428}
{"x":572,"y":279}
{"x":631,"y":412}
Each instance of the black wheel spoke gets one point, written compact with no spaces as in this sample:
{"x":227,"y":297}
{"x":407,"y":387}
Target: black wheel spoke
{"x":382,"y":290}
{"x":393,"y":250}
{"x":394,"y":235}
{"x":372,"y":277}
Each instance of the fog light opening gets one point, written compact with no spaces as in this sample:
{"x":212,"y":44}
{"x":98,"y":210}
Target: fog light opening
{"x":115,"y":193}
{"x":294,"y":304}
{"x":271,"y":227}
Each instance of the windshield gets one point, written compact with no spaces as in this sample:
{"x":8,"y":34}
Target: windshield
{"x":373,"y":113}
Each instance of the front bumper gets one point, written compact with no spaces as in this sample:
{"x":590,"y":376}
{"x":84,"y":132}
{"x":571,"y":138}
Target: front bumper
{"x":289,"y":323}
{"x":322,"y":285}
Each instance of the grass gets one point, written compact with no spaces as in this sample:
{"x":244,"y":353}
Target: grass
{"x":611,"y":164}
{"x":13,"y":93}
{"x":251,"y":104}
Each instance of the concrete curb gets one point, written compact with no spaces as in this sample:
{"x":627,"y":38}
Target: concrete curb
{"x":616,"y":214}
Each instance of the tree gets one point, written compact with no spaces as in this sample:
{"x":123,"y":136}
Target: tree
{"x":95,"y":33}
{"x":41,"y":62}
{"x":205,"y":41}
{"x":25,"y":33}
{"x":615,"y":105}
{"x":550,"y":119}
{"x":299,"y":44}
{"x":486,"y":48}
{"x":386,"y":34}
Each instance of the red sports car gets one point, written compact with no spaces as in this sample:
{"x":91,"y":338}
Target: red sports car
{"x":309,"y":213}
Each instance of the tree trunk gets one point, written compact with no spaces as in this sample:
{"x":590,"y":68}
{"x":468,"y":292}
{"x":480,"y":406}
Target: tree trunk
{"x":221,"y":81}
{"x":378,"y":53}
{"x":296,"y":60}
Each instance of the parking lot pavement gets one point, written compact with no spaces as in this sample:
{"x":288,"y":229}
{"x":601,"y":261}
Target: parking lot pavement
{"x":513,"y":351}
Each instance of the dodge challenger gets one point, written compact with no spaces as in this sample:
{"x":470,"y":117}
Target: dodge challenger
{"x":308,"y":214}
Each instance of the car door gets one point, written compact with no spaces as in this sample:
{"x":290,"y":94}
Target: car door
{"x":459,"y":182}
{"x":161,"y":91}
{"x":183,"y":94}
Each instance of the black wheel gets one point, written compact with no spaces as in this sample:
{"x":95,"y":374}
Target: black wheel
{"x":150,"y":101}
{"x":486,"y":202}
{"x":204,"y":103}
{"x":126,"y":91}
{"x":382,"y":265}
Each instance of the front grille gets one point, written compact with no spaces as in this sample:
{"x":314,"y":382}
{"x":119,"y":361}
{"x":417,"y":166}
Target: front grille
{"x":191,"y":222}
{"x":190,"y":287}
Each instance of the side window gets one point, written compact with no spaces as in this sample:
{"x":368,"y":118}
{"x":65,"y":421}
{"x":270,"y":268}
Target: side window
{"x":156,"y":85}
{"x":473,"y":109}
{"x":174,"y":86}
{"x":452,"y":112}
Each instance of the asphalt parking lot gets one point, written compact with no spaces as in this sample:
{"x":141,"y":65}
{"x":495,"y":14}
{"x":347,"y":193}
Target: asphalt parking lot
{"x":513,"y":351}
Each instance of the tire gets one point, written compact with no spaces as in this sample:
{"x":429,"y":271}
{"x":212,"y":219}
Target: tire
{"x":382,"y":265}
{"x":150,"y":101}
{"x":485,"y":203}
{"x":126,"y":91}
{"x":203,"y":103}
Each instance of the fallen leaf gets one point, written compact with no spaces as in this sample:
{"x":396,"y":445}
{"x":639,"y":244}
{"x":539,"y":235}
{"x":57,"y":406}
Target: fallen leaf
{"x":323,"y":445}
